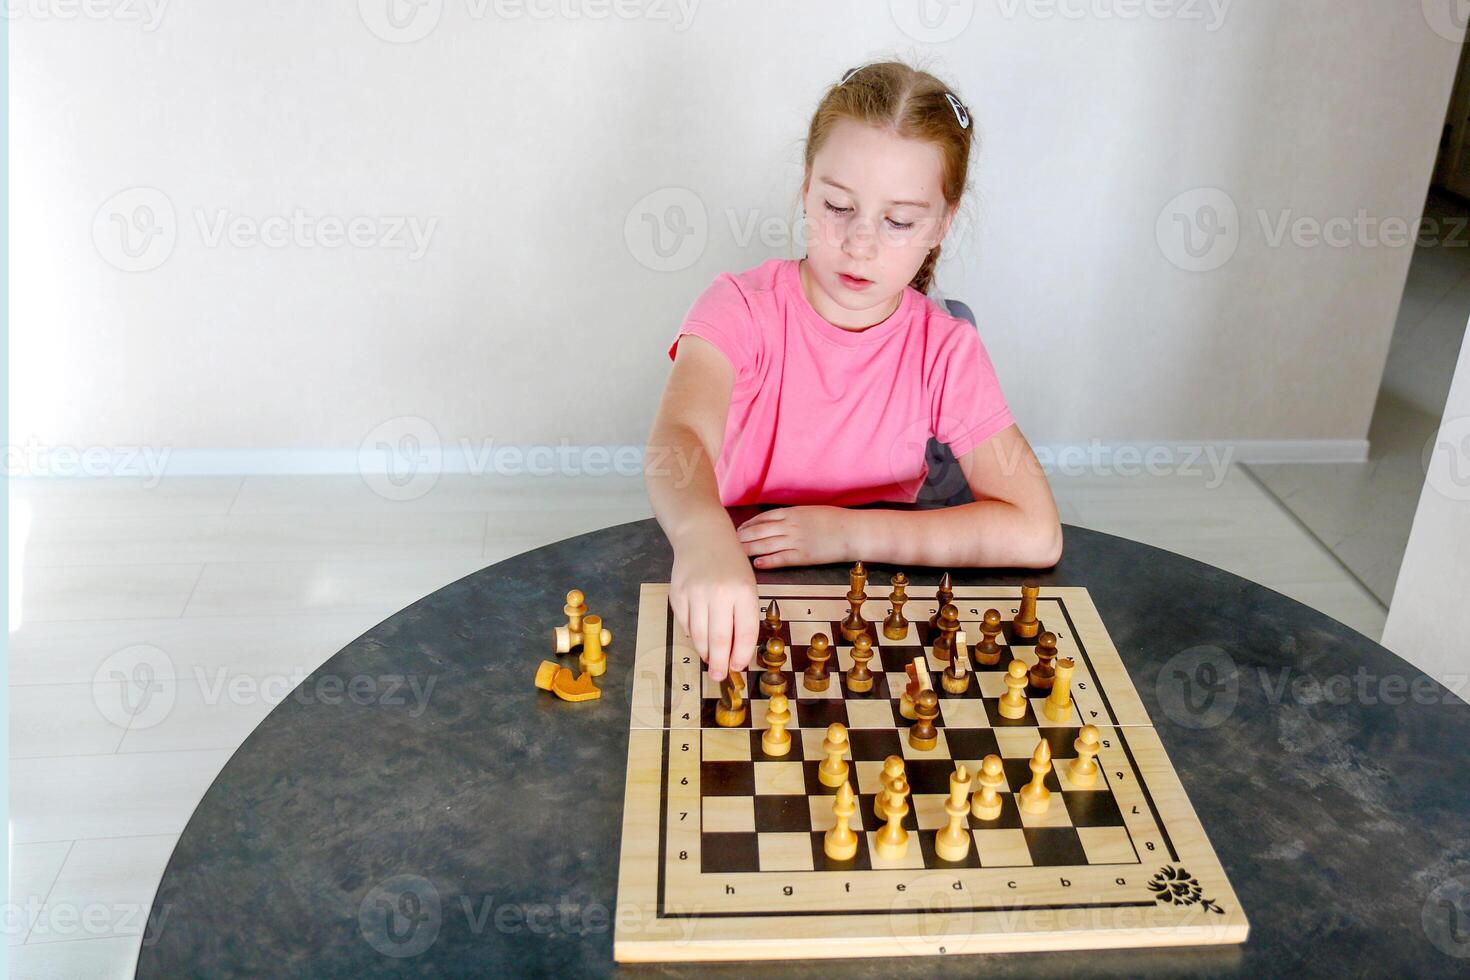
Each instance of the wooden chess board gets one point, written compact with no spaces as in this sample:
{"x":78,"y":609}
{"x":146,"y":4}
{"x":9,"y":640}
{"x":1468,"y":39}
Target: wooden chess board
{"x":722,"y":854}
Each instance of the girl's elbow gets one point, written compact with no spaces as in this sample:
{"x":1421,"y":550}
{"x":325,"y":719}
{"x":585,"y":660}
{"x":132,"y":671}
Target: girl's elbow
{"x":1048,"y":550}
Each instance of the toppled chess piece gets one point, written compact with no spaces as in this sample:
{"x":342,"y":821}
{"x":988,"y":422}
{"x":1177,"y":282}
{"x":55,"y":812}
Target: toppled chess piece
{"x":552,"y":676}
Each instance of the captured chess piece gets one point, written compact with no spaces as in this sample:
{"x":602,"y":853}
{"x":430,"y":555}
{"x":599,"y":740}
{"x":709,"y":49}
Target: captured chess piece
{"x":956,"y":676}
{"x":892,"y":771}
{"x":854,"y":625}
{"x":776,"y":740}
{"x":1058,"y":704}
{"x":815,"y":677}
{"x":895,"y":627}
{"x":594,"y":638}
{"x":892,"y":840}
{"x":1044,"y":669}
{"x":552,"y":676}
{"x":923,"y":735}
{"x":833,"y":770}
{"x":1013,"y":701}
{"x":773,"y":658}
{"x":1083,"y":770}
{"x":840,"y":843}
{"x":1034,"y":796}
{"x":859,"y":677}
{"x":564,"y":638}
{"x":944,"y":596}
{"x":949,"y":625}
{"x":986,"y":804}
{"x":988,"y":652}
{"x":730,"y":712}
{"x":952,"y":843}
{"x":1026,"y":624}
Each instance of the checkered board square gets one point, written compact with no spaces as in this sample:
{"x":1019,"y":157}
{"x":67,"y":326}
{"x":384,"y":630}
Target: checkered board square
{"x":739,"y":833}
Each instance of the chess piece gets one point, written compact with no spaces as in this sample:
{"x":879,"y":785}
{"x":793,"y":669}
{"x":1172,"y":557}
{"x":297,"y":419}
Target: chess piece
{"x":854,"y":624}
{"x":814,"y":678}
{"x":1044,"y":670}
{"x":911,"y":689}
{"x":923,"y":735}
{"x":1058,"y":704}
{"x":953,"y":842}
{"x":1026,"y":623}
{"x":840,"y":843}
{"x":1013,"y":701}
{"x":892,"y":770}
{"x":895,"y":627}
{"x":859,"y":677}
{"x":771,"y":624}
{"x":956,"y":676}
{"x":988,"y":652}
{"x":1083,"y":770}
{"x":833,"y":770}
{"x":773,"y":658}
{"x":594,"y":638}
{"x":949,"y":625}
{"x":944,"y":595}
{"x":986,"y":804}
{"x":564,"y":638}
{"x":1034,"y":796}
{"x":730,"y":712}
{"x":776,"y":740}
{"x":552,"y":676}
{"x":892,"y":839}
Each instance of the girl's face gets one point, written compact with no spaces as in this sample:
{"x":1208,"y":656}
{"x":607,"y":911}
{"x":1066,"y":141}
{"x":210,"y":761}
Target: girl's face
{"x":874,"y":209}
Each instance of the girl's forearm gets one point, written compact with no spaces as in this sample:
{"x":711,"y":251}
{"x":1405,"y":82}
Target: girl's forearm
{"x":682,"y":488}
{"x":982,"y":534}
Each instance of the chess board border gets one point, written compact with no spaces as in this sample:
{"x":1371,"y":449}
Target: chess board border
{"x":648,"y":928}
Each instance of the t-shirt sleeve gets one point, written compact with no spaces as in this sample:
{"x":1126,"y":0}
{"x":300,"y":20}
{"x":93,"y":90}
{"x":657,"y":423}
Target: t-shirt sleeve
{"x":968,"y":405}
{"x":722,"y":315}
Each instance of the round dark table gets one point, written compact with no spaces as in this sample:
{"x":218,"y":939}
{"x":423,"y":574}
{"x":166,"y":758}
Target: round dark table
{"x":420,"y":773}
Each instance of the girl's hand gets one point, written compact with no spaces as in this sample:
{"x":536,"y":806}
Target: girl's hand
{"x":813,"y":535}
{"x":712,"y":592}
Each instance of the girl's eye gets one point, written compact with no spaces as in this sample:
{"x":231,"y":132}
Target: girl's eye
{"x":897,"y":225}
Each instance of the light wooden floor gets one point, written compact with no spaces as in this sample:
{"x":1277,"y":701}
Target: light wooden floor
{"x":235,"y":588}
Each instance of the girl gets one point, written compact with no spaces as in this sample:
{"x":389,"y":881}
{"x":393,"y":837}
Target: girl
{"x":816,"y":382}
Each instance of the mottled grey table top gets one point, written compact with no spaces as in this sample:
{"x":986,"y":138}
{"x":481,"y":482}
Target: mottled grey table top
{"x":419,"y":767}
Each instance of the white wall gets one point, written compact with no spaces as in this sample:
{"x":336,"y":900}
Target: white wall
{"x":530,"y":145}
{"x":1429,"y":617}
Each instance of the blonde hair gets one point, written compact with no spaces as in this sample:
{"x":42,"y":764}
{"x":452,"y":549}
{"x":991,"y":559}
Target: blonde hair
{"x":912,"y":104}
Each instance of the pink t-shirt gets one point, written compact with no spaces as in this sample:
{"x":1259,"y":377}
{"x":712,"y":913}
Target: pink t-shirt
{"x":824,"y":415}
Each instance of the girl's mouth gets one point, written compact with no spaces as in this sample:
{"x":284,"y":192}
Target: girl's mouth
{"x":852,"y":282}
